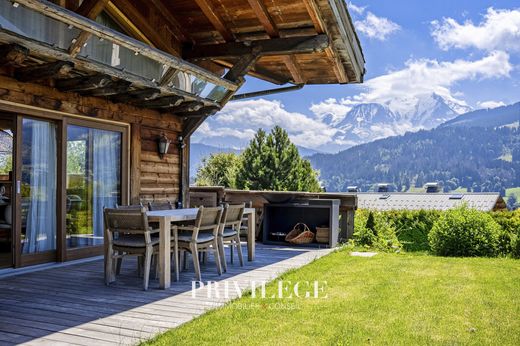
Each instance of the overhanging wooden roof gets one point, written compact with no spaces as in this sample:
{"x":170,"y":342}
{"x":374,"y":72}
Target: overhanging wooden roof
{"x":196,"y":23}
{"x":184,"y":57}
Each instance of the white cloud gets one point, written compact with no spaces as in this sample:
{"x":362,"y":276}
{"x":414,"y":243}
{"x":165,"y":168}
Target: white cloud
{"x":241,"y":119}
{"x":500,"y":29}
{"x":330,"y":111}
{"x":356,"y":9}
{"x":400,"y":89}
{"x":376,"y":27}
{"x":490,"y":104}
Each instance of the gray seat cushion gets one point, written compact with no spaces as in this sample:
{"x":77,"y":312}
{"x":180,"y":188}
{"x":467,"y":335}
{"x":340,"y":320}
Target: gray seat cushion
{"x":202,"y":237}
{"x":134,"y":240}
{"x":228,"y":232}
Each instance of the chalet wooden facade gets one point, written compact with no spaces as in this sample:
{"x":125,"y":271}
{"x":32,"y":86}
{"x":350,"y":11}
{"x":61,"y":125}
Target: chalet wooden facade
{"x":88,"y":88}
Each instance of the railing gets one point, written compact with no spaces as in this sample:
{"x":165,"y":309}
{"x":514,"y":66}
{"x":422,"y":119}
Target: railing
{"x":53,"y":25}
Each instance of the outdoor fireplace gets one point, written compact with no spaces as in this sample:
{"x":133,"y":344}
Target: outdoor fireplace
{"x":280,"y":218}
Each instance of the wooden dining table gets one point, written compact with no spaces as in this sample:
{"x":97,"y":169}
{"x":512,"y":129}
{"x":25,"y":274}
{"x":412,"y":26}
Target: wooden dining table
{"x":167,"y":217}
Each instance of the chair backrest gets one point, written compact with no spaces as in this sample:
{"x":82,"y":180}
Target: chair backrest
{"x":208,"y":219}
{"x":134,"y":221}
{"x":232,"y":216}
{"x":160,"y":206}
{"x":130,"y":207}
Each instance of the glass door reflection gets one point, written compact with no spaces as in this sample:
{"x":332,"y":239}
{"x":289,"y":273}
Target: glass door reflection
{"x":93,"y":182}
{"x":38,"y":186}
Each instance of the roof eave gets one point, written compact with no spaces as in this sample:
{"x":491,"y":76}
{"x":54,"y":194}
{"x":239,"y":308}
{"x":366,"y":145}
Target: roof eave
{"x":347,"y":41}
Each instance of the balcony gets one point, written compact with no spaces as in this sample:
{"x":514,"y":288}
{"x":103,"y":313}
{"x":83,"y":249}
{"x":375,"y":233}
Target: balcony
{"x":43,"y":41}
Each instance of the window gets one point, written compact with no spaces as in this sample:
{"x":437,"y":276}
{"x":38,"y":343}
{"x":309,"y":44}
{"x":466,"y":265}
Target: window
{"x":93,"y":182}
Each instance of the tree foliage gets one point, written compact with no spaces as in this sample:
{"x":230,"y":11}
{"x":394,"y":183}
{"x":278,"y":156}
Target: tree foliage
{"x":476,"y":159}
{"x":219,"y":169}
{"x":272,"y":162}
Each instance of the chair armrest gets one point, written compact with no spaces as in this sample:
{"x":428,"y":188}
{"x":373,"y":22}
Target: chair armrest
{"x":154,"y":230}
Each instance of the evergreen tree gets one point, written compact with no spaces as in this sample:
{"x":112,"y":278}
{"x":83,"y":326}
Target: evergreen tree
{"x":272,"y":162}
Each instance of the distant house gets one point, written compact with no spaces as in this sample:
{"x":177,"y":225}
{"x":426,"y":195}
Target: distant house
{"x":429,"y":201}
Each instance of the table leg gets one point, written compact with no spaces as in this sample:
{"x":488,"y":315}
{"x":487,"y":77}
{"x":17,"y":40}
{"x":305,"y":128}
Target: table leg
{"x":176,"y":254}
{"x":251,"y":235}
{"x":164,"y":253}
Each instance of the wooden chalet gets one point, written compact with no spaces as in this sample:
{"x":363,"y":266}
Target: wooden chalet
{"x":99,"y":98}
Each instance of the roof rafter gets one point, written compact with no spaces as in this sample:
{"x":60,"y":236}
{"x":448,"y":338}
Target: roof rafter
{"x":127,"y":8}
{"x":292,"y":64}
{"x":89,"y":9}
{"x":263,"y":16}
{"x":270,"y":27}
{"x":215,"y":19}
{"x":321,"y":28}
{"x":176,"y":29}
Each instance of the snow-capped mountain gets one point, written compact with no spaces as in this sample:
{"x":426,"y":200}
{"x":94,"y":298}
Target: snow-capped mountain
{"x":366,"y":122}
{"x":333,"y":125}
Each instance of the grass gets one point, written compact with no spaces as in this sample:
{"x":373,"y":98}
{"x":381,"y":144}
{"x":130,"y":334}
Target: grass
{"x":387,"y":299}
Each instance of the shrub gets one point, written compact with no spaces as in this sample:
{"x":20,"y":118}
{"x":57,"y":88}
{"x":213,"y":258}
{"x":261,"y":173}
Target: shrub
{"x":413,"y":226}
{"x":515,"y":246}
{"x":465,"y":232}
{"x":510,"y":231}
{"x":373,"y":229}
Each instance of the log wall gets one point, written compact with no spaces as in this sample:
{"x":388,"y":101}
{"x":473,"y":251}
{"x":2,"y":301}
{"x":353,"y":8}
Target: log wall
{"x":151,"y":178}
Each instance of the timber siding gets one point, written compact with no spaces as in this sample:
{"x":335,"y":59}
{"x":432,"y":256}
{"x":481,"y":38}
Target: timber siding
{"x":150,"y":177}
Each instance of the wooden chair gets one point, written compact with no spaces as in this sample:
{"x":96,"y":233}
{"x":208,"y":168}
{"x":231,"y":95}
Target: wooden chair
{"x":230,"y":232}
{"x":130,"y":207}
{"x":201,"y":236}
{"x":160,"y":206}
{"x":128,"y":234}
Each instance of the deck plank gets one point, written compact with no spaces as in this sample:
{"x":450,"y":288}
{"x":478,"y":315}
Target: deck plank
{"x":71,"y":305}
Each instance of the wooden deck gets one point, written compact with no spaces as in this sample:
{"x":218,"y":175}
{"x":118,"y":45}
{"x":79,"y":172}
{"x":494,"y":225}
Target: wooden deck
{"x":71,"y":304}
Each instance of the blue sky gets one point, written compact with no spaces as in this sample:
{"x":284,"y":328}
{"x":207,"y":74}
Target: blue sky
{"x":466,"y":50}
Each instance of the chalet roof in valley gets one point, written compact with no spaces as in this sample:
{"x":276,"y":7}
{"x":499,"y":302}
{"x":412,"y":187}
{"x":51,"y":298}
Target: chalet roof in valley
{"x":429,"y":201}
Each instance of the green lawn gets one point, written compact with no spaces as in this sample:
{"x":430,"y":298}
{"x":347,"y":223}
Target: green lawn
{"x":387,"y":299}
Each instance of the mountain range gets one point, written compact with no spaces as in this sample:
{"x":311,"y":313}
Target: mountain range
{"x":367,"y":122}
{"x":479,"y":151}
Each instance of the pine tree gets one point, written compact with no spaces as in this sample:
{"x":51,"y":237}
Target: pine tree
{"x":272,"y":162}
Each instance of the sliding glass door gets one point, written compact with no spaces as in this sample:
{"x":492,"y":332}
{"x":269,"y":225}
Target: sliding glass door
{"x":94,"y":171}
{"x":37,"y":187}
{"x":56,"y":176}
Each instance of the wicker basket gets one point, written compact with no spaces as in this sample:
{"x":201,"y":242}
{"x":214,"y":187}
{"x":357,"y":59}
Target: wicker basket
{"x":300,"y":234}
{"x":322,"y":234}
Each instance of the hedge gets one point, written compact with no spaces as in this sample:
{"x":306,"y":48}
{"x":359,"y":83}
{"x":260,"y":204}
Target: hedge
{"x":410,"y":230}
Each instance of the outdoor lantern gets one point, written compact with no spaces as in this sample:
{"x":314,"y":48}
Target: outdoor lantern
{"x":163,"y":144}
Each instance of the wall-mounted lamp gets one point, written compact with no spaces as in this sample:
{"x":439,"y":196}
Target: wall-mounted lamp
{"x":162,"y":145}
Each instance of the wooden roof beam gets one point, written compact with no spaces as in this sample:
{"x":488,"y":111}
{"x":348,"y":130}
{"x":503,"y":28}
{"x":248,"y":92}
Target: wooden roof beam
{"x":43,"y":71}
{"x":176,"y":29}
{"x":242,"y":66}
{"x":275,"y":46}
{"x":79,"y":84}
{"x":321,"y":28}
{"x":153,"y":36}
{"x":89,"y":9}
{"x":270,"y":27}
{"x":260,"y":73}
{"x":215,"y":19}
{"x":263,"y":16}
{"x":294,"y":68}
{"x":136,"y":96}
{"x":13,"y":54}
